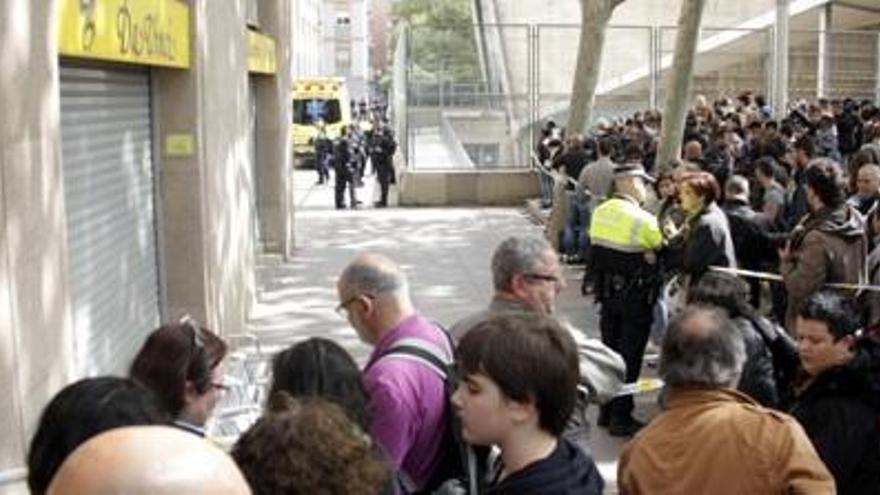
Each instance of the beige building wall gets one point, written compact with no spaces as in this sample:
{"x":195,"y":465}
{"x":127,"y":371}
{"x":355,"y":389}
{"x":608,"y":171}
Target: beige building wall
{"x":275,"y":152}
{"x":35,"y":329}
{"x":221,"y":66}
{"x":207,"y":247}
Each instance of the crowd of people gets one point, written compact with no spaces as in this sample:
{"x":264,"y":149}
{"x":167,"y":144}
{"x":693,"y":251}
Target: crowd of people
{"x":781,"y":382}
{"x":367,"y":139}
{"x":509,"y":383}
{"x":795,"y":197}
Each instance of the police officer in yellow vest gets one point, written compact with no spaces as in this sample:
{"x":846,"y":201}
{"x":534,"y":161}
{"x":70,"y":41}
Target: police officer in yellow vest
{"x":625,"y":238}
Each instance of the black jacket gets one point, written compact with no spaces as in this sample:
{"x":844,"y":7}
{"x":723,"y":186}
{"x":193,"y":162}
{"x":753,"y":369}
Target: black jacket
{"x":566,"y":471}
{"x":708,"y":243}
{"x":572,"y":161}
{"x":840,"y":412}
{"x":750,"y":241}
{"x":342,"y":158}
{"x":757,"y":380}
{"x":796,"y":207}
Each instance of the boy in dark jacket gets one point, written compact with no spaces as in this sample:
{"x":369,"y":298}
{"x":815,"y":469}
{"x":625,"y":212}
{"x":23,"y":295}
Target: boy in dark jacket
{"x":839,"y":403}
{"x":519,"y":375}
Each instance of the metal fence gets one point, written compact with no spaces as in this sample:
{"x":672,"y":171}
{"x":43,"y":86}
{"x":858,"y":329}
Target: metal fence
{"x":489,"y":95}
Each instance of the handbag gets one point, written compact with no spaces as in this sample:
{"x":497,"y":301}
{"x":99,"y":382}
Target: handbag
{"x":603,"y":371}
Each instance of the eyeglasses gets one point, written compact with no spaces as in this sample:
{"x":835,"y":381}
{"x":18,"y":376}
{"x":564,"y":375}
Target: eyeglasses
{"x":342,"y":308}
{"x":541,"y":276}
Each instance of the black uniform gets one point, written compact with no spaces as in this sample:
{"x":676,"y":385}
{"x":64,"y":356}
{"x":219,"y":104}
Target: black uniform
{"x":323,"y":156}
{"x":382,"y":148}
{"x":344,"y":171}
{"x":626,"y":287}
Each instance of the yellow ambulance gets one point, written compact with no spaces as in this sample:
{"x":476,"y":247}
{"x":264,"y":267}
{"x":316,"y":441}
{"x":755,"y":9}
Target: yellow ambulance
{"x":315,"y":100}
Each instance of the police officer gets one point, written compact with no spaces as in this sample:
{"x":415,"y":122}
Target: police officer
{"x":344,"y":170}
{"x":382,"y":147}
{"x":624,"y":237}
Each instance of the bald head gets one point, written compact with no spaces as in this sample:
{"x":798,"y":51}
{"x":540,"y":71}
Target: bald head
{"x":374,"y":294}
{"x":702,"y":347}
{"x":868,"y":179}
{"x":148,"y":460}
{"x":737,"y":187}
{"x":373,"y":274}
{"x":693,"y":150}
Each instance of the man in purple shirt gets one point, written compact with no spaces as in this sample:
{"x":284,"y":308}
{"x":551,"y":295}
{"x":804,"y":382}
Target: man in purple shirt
{"x":407,"y":399}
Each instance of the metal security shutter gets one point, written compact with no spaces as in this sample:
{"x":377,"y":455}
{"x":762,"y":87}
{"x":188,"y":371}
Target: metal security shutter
{"x":252,"y":156}
{"x":111,"y":232}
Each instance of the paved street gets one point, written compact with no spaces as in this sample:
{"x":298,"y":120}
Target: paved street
{"x":445,"y":252}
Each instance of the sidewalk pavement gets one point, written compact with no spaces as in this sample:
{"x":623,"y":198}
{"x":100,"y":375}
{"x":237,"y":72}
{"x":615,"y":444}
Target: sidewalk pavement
{"x":445,"y":251}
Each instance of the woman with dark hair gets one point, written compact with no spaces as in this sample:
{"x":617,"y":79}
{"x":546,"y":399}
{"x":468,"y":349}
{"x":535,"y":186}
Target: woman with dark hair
{"x":707,"y":240}
{"x":763,"y":377}
{"x":181,"y":364}
{"x":309,"y":446}
{"x":670,"y":216}
{"x":79,"y":412}
{"x":321,"y":368}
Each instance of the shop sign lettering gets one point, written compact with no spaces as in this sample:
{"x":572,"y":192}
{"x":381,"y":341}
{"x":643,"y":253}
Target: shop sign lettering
{"x":149,"y":32}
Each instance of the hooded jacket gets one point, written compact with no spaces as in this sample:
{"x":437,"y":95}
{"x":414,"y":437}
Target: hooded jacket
{"x":566,"y":471}
{"x":840,"y":410}
{"x":828,"y":246}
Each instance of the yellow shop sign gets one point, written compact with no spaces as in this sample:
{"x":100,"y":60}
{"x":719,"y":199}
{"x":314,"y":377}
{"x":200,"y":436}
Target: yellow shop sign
{"x":148,"y":32}
{"x":261,"y":53}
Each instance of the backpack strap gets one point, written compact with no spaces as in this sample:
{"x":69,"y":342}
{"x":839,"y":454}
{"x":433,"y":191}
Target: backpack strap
{"x":422,"y":351}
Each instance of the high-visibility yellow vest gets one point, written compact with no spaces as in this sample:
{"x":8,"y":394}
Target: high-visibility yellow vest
{"x":619,"y":223}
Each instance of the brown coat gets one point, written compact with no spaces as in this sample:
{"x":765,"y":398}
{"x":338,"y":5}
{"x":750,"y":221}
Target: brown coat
{"x":719,"y":442}
{"x":829,"y":246}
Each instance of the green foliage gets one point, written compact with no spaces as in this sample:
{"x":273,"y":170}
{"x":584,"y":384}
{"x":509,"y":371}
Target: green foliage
{"x":443,"y":44}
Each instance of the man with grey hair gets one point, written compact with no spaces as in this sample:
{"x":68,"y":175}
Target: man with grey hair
{"x":407,"y":397}
{"x":730,"y":443}
{"x":527,"y":279}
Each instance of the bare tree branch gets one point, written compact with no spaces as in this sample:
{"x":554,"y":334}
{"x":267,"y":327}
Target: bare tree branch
{"x":680,"y":80}
{"x":595,"y":15}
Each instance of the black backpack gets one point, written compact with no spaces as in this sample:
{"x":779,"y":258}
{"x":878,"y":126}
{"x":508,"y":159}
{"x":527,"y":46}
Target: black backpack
{"x":783,"y":350}
{"x":459,"y":461}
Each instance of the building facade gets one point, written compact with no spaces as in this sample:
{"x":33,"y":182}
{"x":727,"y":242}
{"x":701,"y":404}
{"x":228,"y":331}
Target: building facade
{"x":346,"y":44}
{"x":308,"y":37}
{"x":380,"y":35}
{"x":146,"y":158}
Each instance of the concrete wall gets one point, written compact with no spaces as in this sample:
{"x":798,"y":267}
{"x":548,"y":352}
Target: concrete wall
{"x":221,"y":64}
{"x":273,"y":135}
{"x":35,"y":325}
{"x":467,"y":187}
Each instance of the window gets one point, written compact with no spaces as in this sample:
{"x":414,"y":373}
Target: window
{"x":482,"y":155}
{"x":308,"y":111}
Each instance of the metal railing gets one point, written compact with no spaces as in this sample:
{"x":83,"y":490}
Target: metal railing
{"x":526,"y":72}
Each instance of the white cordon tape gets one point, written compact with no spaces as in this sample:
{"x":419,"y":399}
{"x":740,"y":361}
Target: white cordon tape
{"x":642,"y":386}
{"x":540,"y":168}
{"x":775,"y":277}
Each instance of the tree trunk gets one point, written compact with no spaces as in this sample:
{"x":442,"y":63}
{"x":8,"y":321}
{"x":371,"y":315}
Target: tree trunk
{"x":678,"y":90}
{"x":595,"y":15}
